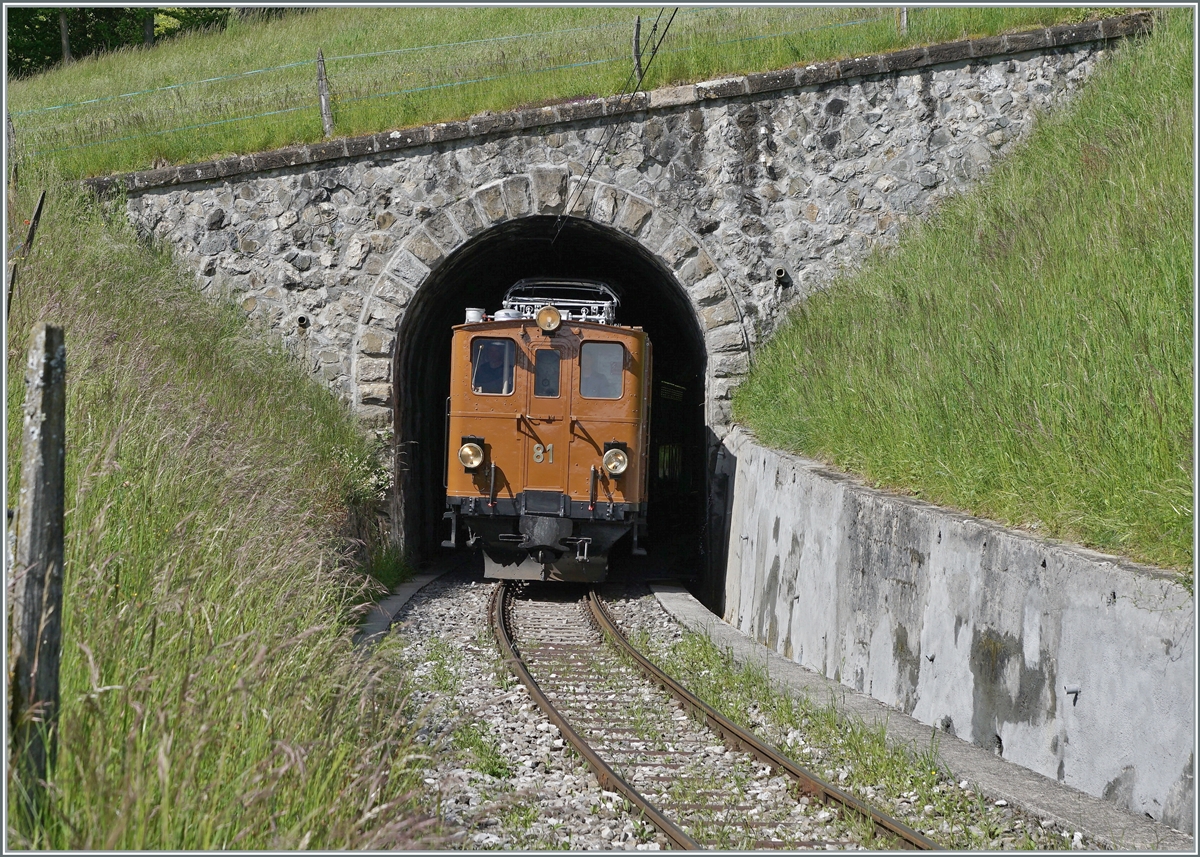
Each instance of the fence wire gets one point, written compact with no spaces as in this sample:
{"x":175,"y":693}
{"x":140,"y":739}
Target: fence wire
{"x":409,"y":76}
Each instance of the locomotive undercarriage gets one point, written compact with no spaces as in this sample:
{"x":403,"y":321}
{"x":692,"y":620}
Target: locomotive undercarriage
{"x":571,"y":546}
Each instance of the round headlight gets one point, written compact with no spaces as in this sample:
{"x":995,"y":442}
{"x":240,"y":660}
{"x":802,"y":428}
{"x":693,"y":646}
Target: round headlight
{"x":616,"y":461}
{"x":471,"y":455}
{"x":549,"y":319}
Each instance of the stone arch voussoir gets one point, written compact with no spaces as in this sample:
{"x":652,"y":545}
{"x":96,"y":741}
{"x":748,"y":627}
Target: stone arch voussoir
{"x":551,"y":190}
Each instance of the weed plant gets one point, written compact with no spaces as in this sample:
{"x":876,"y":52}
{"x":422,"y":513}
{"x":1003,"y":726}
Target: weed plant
{"x":252,"y":86}
{"x":483,"y":750}
{"x":1027,"y":354}
{"x":211,"y":695}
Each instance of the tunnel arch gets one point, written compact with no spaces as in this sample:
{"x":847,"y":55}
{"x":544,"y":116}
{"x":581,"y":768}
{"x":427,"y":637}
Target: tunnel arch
{"x":477,"y":274}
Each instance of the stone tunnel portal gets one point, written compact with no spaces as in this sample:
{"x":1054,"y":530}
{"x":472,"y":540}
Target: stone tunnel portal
{"x":477,"y":275}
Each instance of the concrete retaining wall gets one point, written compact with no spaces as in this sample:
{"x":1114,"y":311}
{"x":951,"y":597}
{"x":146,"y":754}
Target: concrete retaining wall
{"x":1074,"y":664}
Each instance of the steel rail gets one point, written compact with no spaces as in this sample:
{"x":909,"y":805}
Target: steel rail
{"x":608,"y":778}
{"x":742,"y":739}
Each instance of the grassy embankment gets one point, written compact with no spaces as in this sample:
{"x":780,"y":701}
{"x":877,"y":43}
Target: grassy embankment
{"x":587,"y":50}
{"x":1027,"y":354}
{"x":211,"y":696}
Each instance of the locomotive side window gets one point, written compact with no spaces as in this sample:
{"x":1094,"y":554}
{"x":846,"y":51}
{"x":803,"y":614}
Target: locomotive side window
{"x":602,"y":364}
{"x":545,"y":374}
{"x":492,"y":362}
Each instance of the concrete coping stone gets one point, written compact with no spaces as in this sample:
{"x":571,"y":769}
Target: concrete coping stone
{"x":488,"y":123}
{"x":379,"y":619}
{"x":1039,"y":796}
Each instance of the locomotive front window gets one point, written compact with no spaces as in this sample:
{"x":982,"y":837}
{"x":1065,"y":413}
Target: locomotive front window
{"x":545,"y":374}
{"x":492,"y":362}
{"x":601,"y":364}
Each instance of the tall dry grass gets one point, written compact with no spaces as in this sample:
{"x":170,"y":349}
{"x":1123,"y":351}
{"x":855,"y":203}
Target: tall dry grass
{"x":211,"y":693}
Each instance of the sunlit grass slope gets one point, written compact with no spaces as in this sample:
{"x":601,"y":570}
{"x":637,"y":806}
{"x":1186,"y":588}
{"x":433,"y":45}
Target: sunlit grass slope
{"x":1027,"y":355}
{"x":386,"y":70}
{"x":211,"y":697}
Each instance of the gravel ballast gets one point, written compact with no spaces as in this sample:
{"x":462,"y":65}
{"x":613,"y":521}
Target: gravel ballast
{"x":538,"y":793}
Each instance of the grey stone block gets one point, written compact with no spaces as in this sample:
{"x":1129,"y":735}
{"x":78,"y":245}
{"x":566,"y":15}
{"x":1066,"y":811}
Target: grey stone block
{"x":673,"y":96}
{"x":375,"y":394}
{"x":1016,"y":43}
{"x":633,"y":215}
{"x":408,"y":269}
{"x":729,"y":337}
{"x":467,"y":218}
{"x":421,"y":245}
{"x":490,"y":200}
{"x":373,"y":370}
{"x":574,"y":111}
{"x":549,"y":189}
{"x":444,"y":132}
{"x":725,"y":88}
{"x":445,"y":231}
{"x":516,"y":196}
{"x":771,"y":81}
{"x":860,"y":67}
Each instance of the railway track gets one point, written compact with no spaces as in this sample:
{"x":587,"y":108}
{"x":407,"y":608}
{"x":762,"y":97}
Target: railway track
{"x":702,"y":781}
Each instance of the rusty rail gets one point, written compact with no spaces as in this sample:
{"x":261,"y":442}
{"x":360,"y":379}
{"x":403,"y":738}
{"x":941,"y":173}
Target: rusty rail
{"x":741,"y":739}
{"x":608,"y":778}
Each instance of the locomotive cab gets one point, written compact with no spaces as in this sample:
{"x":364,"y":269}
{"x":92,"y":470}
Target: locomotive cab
{"x":547,"y":430}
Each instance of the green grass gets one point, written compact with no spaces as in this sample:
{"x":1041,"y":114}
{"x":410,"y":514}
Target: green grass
{"x":553,"y":54}
{"x":477,"y":742}
{"x":1027,"y":354}
{"x":211,"y":694}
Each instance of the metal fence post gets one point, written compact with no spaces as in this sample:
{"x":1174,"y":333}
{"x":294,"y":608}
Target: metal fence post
{"x":37,"y":574}
{"x":323,"y":92}
{"x":902,"y":20}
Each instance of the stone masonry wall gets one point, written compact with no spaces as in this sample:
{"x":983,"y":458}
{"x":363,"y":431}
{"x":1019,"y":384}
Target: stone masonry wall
{"x":807,"y":168}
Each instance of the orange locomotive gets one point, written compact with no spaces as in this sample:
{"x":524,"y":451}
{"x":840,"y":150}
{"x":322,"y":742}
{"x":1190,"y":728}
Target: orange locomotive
{"x":547,"y":431}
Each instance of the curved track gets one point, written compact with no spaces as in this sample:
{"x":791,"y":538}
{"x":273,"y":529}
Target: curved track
{"x":701,"y":780}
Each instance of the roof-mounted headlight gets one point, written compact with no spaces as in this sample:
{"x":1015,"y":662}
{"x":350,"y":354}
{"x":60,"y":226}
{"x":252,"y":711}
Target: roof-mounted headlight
{"x":616,"y":461}
{"x":549,"y":319}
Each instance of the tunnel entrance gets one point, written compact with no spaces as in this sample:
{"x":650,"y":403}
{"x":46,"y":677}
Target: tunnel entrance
{"x":477,"y":275}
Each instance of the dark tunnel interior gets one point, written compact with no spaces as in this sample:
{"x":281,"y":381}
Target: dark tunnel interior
{"x":477,"y":275}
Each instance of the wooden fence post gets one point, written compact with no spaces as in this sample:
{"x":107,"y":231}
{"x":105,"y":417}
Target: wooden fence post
{"x":323,"y":92}
{"x":37,"y":574}
{"x":637,"y":48}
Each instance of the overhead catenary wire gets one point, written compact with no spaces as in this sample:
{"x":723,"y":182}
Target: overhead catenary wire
{"x":594,"y":161}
